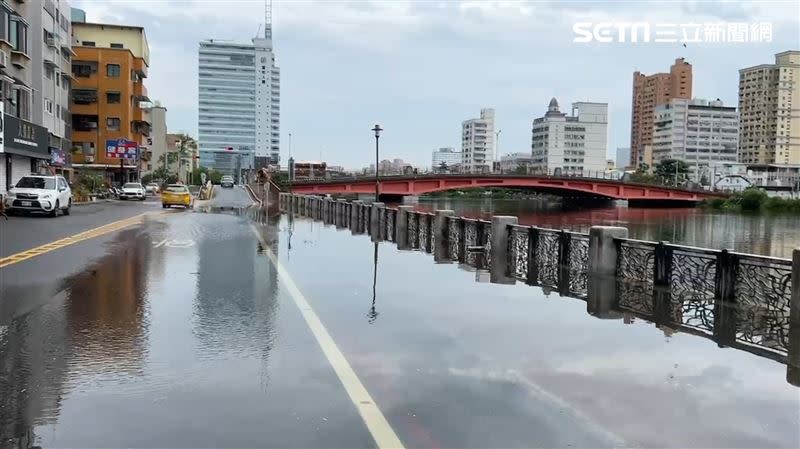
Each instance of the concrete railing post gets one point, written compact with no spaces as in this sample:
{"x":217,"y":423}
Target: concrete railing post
{"x":355,"y":208}
{"x":602,"y":270}
{"x":440,"y":235}
{"x":499,"y":268}
{"x":374,"y":220}
{"x":401,"y":226}
{"x":793,"y":365}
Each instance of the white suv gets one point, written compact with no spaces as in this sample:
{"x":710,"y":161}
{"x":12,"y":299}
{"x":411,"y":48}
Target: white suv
{"x":35,"y":193}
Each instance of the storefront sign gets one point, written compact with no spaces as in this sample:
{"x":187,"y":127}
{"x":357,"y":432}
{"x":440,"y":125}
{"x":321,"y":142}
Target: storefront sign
{"x":25,"y":136}
{"x":57,"y":157}
{"x":121,"y":148}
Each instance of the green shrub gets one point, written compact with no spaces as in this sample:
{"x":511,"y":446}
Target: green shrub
{"x":752,"y":199}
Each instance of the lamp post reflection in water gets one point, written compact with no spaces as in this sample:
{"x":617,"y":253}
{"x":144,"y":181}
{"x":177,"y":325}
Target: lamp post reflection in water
{"x":372,"y":315}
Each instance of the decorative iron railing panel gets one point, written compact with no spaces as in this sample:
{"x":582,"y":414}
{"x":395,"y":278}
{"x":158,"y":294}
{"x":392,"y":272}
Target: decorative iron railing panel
{"x":578,"y":259}
{"x":518,"y":251}
{"x":546,"y":257}
{"x":413,"y":230}
{"x":762,"y":293}
{"x":454,"y":237}
{"x":487,"y":242}
{"x":635,"y":271}
{"x":391,"y":217}
{"x":692,"y":287}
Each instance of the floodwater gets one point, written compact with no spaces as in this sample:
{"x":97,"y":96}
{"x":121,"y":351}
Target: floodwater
{"x":183,"y":333}
{"x":765,"y":234}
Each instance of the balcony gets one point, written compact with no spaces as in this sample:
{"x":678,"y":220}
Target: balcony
{"x":140,"y":67}
{"x":140,"y":93}
{"x":141,"y":115}
{"x":20,"y":60}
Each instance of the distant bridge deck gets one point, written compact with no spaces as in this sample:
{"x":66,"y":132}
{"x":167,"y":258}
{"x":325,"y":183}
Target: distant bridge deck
{"x":563,"y":186}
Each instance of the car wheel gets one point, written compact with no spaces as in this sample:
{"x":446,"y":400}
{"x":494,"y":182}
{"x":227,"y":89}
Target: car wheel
{"x":54,"y":212}
{"x":163,"y":206}
{"x":66,"y":211}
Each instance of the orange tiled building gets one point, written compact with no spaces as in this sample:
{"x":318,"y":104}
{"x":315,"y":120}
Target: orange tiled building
{"x":109,"y":102}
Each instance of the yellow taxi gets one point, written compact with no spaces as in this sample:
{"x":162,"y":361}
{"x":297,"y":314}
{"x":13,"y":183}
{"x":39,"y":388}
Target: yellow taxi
{"x":176,"y":195}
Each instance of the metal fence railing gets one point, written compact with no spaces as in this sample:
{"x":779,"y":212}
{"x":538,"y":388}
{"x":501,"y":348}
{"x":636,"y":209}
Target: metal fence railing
{"x":738,"y":300}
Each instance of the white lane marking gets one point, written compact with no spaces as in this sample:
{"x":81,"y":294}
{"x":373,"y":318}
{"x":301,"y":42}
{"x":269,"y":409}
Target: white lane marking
{"x":378,"y":426}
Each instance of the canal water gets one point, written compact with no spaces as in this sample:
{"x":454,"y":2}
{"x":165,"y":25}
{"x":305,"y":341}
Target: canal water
{"x":184,"y":333}
{"x":766,"y":234}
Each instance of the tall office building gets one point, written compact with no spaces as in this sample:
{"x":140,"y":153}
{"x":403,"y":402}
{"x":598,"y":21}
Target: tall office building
{"x":574,"y":144}
{"x":769,"y":111}
{"x":650,"y":91}
{"x":698,"y":132}
{"x":477,"y":142}
{"x":239,"y":104}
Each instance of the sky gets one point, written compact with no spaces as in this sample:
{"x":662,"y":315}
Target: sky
{"x":419,"y":68}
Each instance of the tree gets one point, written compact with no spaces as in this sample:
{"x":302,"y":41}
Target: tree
{"x":667,"y":169}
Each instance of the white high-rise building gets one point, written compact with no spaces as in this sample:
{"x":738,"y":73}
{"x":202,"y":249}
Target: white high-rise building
{"x":698,"y":132}
{"x":477,"y":142}
{"x":239,"y":104}
{"x":574,"y":144}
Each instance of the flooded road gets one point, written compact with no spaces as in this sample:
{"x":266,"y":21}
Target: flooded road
{"x":186,"y":332}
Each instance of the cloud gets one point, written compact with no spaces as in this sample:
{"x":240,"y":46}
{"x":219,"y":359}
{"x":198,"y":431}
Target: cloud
{"x":420,"y":68}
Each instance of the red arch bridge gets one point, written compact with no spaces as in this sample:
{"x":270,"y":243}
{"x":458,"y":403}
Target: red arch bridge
{"x":399,"y":186}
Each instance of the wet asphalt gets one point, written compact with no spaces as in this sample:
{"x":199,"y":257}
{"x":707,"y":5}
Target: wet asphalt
{"x":181,"y":333}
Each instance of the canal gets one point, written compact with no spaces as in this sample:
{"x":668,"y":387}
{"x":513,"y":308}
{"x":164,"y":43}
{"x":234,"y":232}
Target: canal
{"x":766,"y":234}
{"x":188,"y":332}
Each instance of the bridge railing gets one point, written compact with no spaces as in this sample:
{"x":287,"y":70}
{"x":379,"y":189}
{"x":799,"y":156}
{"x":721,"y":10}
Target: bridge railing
{"x":739,"y":300}
{"x":588,"y":176}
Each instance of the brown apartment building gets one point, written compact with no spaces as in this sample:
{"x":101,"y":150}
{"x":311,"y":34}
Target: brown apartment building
{"x":109,"y":103}
{"x":650,"y":91}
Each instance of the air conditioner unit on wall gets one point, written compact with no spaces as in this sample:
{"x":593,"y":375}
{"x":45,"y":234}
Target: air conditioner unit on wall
{"x":3,"y":59}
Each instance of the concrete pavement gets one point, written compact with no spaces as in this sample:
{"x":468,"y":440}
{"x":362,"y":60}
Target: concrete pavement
{"x":20,"y":233}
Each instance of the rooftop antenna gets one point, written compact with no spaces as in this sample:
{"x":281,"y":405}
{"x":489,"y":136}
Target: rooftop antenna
{"x":268,"y":19}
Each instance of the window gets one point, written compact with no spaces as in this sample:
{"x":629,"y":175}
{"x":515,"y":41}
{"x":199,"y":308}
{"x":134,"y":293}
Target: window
{"x":18,"y":34}
{"x":117,"y":45}
{"x":113,"y":97}
{"x":112,"y":70}
{"x":88,"y":43}
{"x":48,"y":106}
{"x":58,"y":79}
{"x":83,"y":69}
{"x":112,"y":123}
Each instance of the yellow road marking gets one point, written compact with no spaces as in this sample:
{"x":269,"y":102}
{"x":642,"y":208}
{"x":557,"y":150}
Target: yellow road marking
{"x":57,"y":244}
{"x":376,"y":422}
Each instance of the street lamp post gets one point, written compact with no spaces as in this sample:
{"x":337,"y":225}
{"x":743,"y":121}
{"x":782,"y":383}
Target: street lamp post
{"x":377,"y":130}
{"x":497,"y":147}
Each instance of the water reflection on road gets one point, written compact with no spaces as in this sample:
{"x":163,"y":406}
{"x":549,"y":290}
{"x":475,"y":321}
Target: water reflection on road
{"x":767,"y":234}
{"x":198,"y":345}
